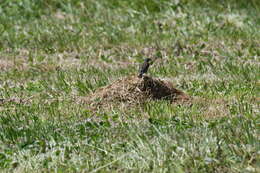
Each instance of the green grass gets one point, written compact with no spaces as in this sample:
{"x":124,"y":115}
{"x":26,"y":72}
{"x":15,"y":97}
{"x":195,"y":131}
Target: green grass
{"x":54,"y":52}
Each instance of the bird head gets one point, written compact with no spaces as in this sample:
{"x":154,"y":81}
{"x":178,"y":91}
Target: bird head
{"x":148,"y":60}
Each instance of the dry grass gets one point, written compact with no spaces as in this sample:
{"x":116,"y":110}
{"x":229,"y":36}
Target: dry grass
{"x":5,"y":64}
{"x":212,"y":108}
{"x":132,"y":90}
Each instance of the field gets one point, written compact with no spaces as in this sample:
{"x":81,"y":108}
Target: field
{"x":53,"y":53}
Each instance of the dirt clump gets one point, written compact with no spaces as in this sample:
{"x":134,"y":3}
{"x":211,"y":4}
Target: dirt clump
{"x":132,"y":90}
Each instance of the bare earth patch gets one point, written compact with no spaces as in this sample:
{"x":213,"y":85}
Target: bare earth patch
{"x":132,"y":90}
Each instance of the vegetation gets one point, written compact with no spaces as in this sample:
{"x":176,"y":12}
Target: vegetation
{"x":53,"y":53}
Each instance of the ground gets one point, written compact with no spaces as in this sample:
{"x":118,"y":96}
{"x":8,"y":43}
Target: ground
{"x":54,"y":53}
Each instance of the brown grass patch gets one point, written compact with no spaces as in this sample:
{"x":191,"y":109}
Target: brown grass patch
{"x":5,"y":64}
{"x":132,"y":90}
{"x":15,"y":100}
{"x":213,"y":108}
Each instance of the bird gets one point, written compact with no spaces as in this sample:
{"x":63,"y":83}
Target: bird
{"x":144,"y":67}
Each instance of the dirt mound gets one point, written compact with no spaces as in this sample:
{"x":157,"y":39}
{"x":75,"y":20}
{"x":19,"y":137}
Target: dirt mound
{"x":134,"y":90}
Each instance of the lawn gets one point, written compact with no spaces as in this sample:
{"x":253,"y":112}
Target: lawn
{"x":53,"y":53}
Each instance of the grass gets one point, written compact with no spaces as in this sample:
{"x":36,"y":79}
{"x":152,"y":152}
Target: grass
{"x":54,"y":52}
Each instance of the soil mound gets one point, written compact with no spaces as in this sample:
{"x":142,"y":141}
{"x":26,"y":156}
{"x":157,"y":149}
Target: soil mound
{"x":134,"y":90}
